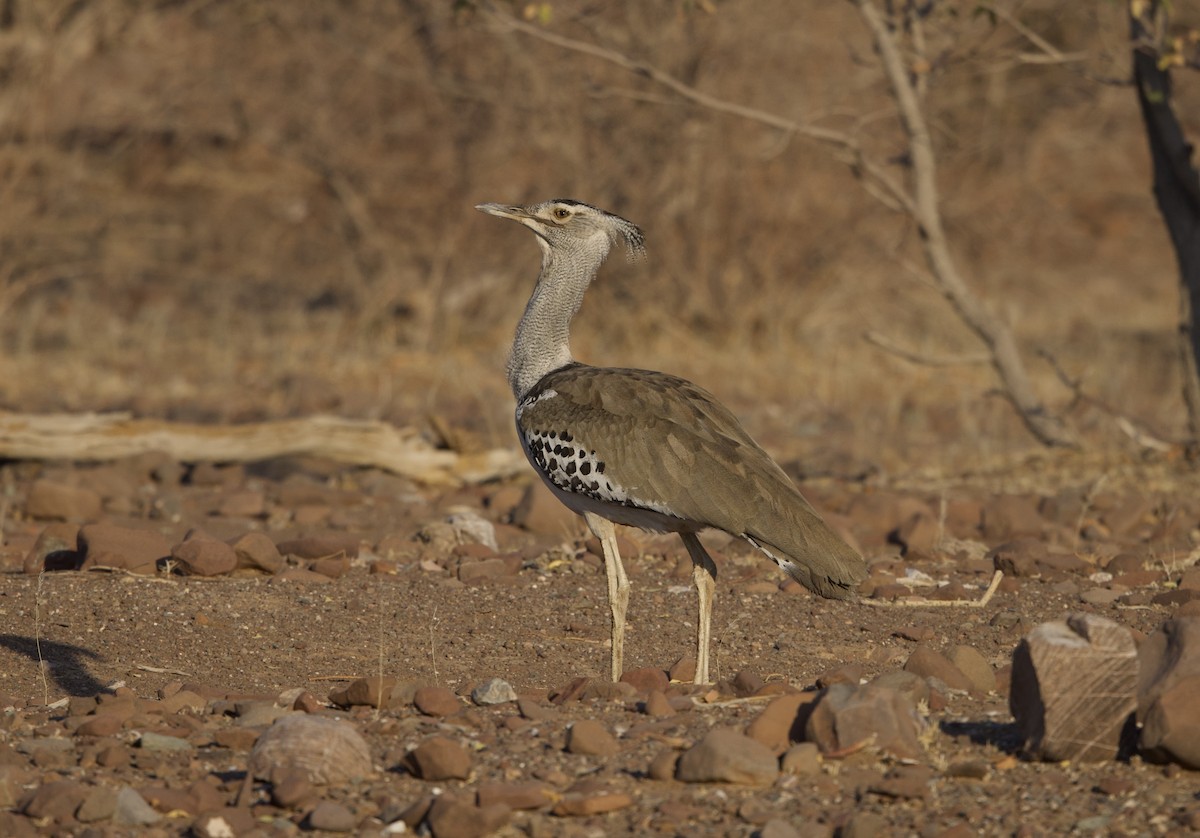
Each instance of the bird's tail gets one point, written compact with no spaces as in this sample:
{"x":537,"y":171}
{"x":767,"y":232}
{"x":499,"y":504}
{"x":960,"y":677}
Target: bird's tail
{"x":816,"y":557}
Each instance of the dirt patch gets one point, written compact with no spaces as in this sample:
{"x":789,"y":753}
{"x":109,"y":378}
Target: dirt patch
{"x":208,"y":663}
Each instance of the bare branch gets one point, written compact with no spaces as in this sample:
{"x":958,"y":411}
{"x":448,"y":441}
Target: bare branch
{"x":990,"y":329}
{"x":1142,"y":437}
{"x":1025,"y":32}
{"x":913,"y":356}
{"x":881,"y":184}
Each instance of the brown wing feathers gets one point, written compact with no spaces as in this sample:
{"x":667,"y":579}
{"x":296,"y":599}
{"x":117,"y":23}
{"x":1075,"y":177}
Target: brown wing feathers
{"x":669,"y":441}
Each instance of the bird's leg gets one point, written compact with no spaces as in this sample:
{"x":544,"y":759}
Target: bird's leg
{"x":704,"y":572}
{"x":618,"y":585}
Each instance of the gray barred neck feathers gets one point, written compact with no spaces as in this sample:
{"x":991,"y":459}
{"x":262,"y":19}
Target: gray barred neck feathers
{"x":542,"y":342}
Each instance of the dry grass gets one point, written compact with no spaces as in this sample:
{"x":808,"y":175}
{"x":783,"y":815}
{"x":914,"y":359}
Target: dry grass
{"x":249,"y":209}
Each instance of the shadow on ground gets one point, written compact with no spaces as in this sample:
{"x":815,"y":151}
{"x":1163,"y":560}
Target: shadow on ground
{"x":66,"y":665}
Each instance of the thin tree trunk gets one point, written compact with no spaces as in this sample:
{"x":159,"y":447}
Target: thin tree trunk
{"x":994,"y":332}
{"x":1177,"y":190}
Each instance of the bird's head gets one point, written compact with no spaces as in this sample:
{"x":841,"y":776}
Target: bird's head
{"x":569,"y":227}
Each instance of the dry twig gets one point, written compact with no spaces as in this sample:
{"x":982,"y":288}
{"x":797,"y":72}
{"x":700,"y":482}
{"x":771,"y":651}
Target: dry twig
{"x":922,"y":602}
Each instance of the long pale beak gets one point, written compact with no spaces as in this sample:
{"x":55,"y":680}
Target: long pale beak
{"x":505,"y":211}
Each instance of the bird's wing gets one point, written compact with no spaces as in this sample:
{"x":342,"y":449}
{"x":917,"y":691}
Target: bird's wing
{"x":667,"y":445}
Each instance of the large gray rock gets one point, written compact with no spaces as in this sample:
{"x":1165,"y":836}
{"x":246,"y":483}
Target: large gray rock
{"x":848,"y":717}
{"x":326,"y":750}
{"x":728,"y":756}
{"x":1074,"y":688}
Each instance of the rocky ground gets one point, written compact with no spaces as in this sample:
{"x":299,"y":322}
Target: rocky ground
{"x":184,"y":610}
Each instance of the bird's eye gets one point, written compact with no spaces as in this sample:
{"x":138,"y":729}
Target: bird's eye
{"x":561,"y":212}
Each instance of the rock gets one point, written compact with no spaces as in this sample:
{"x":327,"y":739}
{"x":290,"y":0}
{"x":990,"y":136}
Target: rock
{"x":12,"y":780}
{"x":877,"y":515}
{"x":151,"y":741}
{"x":657,"y":705}
{"x":201,"y":555}
{"x":907,"y":782}
{"x":256,"y":551}
{"x":104,"y":724}
{"x":683,"y":671}
{"x":802,"y":759}
{"x":471,"y":527}
{"x":436,"y":701}
{"x":728,"y":756}
{"x":1059,"y":563}
{"x":99,"y":805}
{"x":183,"y":700}
{"x":238,"y":739}
{"x":1176,"y":597}
{"x":335,"y":567}
{"x":54,"y":549}
{"x":107,"y":545}
{"x":590,"y":738}
{"x":969,"y":661}
{"x":133,"y":810}
{"x":493,"y":691}
{"x":526,"y":795}
{"x":327,"y":750}
{"x":439,"y":758}
{"x":320,"y":547}
{"x":259,"y":713}
{"x":664,"y":765}
{"x":647,"y":679}
{"x":542,"y":513}
{"x":477,"y":571}
{"x":747,"y":683}
{"x":331,"y":816}
{"x":1011,"y":516}
{"x":1168,"y":655}
{"x":864,"y":825}
{"x":1099,"y":596}
{"x":918,"y":634}
{"x":577,"y":804}
{"x":916,"y":535}
{"x":452,"y":818}
{"x":1074,"y":687}
{"x":847,"y":717}
{"x":927,"y":663}
{"x":533,"y":710}
{"x":850,"y":673}
{"x":1169,"y":692}
{"x":226,"y":822}
{"x":56,"y":800}
{"x":290,"y":788}
{"x":49,"y":500}
{"x":779,"y":828}
{"x":366,"y":692}
{"x":915,"y":686}
{"x":243,"y":503}
{"x":1018,"y":558}
{"x":780,"y":722}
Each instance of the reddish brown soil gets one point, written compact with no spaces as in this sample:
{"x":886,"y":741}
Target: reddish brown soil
{"x":68,"y":635}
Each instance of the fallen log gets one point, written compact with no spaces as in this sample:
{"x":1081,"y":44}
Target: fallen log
{"x":110,"y":436}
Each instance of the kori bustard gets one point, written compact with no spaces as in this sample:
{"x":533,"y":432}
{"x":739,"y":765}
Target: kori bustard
{"x":646,"y":449}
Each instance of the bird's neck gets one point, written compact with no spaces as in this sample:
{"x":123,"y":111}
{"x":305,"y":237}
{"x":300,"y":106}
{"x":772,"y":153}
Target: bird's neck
{"x":543,"y":344}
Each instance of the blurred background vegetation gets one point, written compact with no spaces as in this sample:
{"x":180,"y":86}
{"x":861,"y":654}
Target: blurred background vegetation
{"x":223,"y":210}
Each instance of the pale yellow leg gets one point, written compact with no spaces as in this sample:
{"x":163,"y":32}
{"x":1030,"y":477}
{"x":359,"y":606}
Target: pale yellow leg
{"x":618,"y":586}
{"x":704,"y":572}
